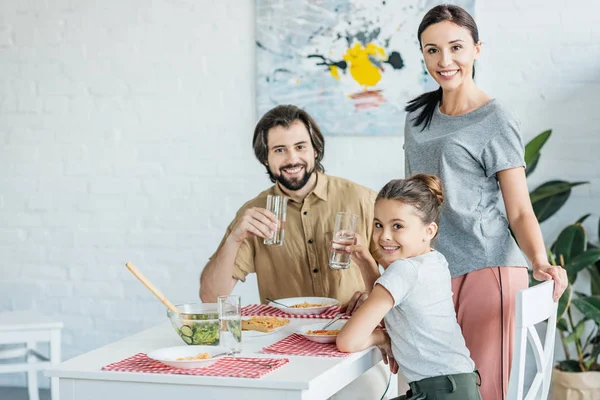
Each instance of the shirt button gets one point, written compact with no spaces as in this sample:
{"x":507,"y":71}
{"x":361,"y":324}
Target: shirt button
{"x":310,"y":241}
{"x":315,"y":270}
{"x":305,"y":212}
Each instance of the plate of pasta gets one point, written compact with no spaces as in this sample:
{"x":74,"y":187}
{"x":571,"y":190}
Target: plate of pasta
{"x":257,"y":326}
{"x":315,"y":333}
{"x":304,"y":305}
{"x":188,"y":357}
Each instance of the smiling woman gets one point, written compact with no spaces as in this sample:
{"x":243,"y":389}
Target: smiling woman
{"x":449,"y":40}
{"x":473,"y":143}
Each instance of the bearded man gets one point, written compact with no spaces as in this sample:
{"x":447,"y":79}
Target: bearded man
{"x":288,"y":142}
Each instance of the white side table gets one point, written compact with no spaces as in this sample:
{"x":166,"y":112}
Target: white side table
{"x":29,"y":328}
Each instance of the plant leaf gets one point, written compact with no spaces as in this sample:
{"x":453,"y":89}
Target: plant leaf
{"x":580,"y":220}
{"x":595,"y":279}
{"x":532,"y":150}
{"x":552,"y":188}
{"x":562,"y":325}
{"x":549,"y":197}
{"x":580,"y":262}
{"x":569,"y":366}
{"x":589,"y":307}
{"x":593,"y":356}
{"x":577,"y":332}
{"x":571,"y":242}
{"x":530,"y":166}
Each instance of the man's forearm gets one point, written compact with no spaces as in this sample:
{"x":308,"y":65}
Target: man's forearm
{"x":217,"y":277}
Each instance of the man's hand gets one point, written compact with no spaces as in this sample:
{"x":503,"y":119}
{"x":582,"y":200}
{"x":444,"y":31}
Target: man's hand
{"x":387,"y":355}
{"x":543,"y":271}
{"x":354,"y":303}
{"x":255,"y":222}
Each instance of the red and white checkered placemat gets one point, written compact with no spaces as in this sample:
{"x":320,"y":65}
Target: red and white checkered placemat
{"x":226,"y":366}
{"x":297,"y":345}
{"x":266,"y":310}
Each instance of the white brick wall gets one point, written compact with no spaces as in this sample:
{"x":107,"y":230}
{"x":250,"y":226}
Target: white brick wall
{"x":125,"y":132}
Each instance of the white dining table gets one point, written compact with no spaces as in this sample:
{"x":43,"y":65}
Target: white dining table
{"x":303,"y":378}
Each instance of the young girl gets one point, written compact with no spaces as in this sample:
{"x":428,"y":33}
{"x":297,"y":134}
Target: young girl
{"x":472,"y":142}
{"x":413,"y":294}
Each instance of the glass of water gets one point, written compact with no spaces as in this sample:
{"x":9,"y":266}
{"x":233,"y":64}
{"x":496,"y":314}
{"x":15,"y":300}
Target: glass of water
{"x":230,"y":322}
{"x":277,"y":205}
{"x":344,"y":233}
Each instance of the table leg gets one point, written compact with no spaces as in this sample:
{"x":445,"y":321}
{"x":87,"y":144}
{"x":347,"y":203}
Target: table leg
{"x":55,"y":347}
{"x":32,"y":382}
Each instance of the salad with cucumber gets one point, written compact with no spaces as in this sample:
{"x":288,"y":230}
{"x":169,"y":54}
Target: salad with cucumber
{"x":202,"y":329}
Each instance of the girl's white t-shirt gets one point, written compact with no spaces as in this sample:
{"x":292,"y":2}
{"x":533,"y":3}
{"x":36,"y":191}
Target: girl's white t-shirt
{"x":426,"y":338}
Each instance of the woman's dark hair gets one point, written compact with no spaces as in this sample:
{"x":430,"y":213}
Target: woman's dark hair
{"x":422,"y":191}
{"x":430,"y":100}
{"x":285,"y":116}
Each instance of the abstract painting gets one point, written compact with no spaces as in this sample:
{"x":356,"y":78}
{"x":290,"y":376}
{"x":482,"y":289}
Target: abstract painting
{"x":351,"y":64}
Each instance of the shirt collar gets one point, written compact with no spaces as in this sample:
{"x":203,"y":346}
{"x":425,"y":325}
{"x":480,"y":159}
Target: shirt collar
{"x":320,"y":189}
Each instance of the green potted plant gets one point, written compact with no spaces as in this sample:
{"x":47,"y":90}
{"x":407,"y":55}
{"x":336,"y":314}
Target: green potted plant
{"x":578,"y":322}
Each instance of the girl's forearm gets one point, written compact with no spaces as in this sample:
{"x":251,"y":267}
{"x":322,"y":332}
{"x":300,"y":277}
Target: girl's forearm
{"x":352,"y":344}
{"x":370,"y":273}
{"x":377,"y":338}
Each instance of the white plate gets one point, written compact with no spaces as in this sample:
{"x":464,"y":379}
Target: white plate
{"x":301,"y":330}
{"x":254,"y":334}
{"x":169,"y":356}
{"x":326,"y":301}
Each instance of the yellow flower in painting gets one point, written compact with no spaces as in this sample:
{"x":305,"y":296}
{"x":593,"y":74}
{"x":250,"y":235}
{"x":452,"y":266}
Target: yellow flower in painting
{"x":362,"y":68}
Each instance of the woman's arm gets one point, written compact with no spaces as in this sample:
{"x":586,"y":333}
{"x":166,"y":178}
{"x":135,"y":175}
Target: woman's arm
{"x":526,"y":228}
{"x":359,"y":332}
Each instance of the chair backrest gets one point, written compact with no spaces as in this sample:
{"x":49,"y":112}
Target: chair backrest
{"x":533,"y":305}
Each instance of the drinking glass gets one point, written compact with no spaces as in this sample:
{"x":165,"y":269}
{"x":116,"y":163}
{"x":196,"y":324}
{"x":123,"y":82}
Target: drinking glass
{"x":344,"y":233}
{"x":277,"y":205}
{"x":230,"y":322}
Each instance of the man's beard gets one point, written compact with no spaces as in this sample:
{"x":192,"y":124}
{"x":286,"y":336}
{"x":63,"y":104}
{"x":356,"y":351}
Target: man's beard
{"x":295,"y":184}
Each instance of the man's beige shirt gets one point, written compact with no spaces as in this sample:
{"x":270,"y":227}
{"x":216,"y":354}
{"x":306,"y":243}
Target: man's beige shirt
{"x":300,"y":267}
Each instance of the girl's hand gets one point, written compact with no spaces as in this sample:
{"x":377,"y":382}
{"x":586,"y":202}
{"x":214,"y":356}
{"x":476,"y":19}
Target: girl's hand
{"x":543,"y":271}
{"x":360,"y":252}
{"x":386,"y":353}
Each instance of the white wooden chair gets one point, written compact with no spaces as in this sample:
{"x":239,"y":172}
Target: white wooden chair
{"x":30,"y":328}
{"x":533,"y":305}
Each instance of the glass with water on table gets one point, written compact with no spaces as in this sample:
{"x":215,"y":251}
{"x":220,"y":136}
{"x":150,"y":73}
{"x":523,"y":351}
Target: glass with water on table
{"x":230,"y":322}
{"x":344,"y":234}
{"x":277,"y":205}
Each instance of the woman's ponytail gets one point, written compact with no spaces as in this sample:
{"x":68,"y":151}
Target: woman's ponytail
{"x":428,"y":102}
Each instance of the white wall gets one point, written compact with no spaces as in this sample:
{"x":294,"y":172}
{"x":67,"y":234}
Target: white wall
{"x":125,"y":130}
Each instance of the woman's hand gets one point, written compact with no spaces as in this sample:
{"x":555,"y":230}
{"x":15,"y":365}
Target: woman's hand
{"x":543,"y":271}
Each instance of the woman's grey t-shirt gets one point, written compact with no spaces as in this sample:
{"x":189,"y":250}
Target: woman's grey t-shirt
{"x":426,"y":338}
{"x":466,"y":152}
